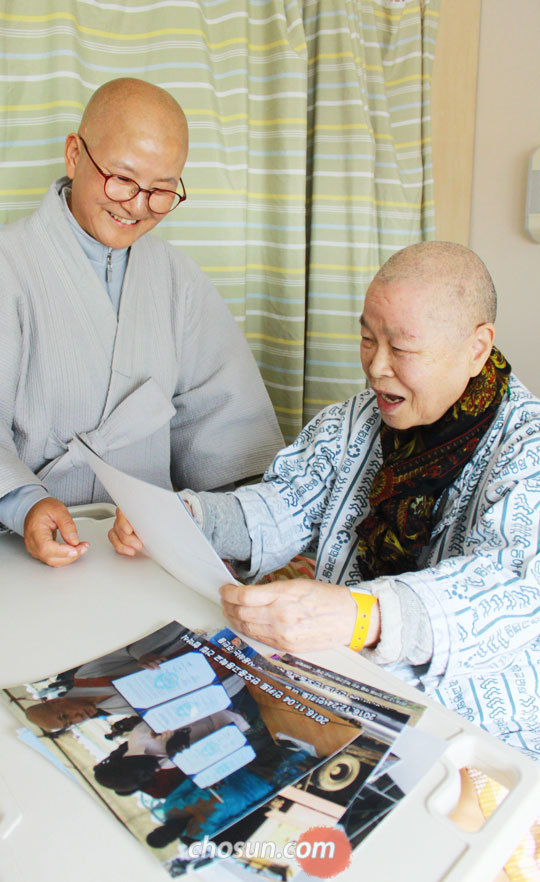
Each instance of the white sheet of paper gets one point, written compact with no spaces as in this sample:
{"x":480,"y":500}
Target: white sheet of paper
{"x":163,"y":524}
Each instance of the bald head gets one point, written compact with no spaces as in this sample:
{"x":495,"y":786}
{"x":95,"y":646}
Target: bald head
{"x":133,"y":104}
{"x":458,"y":278}
{"x":56,"y":713}
{"x":427,"y":329}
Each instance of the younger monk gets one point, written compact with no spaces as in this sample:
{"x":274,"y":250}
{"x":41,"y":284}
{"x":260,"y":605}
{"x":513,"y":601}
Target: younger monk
{"x":115,"y":334}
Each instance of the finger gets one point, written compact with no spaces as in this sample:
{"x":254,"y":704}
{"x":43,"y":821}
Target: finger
{"x":125,"y":532}
{"x":250,"y":629}
{"x":67,"y":528}
{"x":273,"y":635}
{"x":249,"y":595}
{"x":40,"y":543}
{"x":288,"y":636}
{"x":122,"y":524}
{"x":55,"y":555}
{"x":134,"y":542}
{"x":263,"y":616}
{"x":119,"y":546}
{"x":130,"y":540}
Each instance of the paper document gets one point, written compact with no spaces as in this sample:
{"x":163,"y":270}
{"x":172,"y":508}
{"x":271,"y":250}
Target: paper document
{"x":163,"y":524}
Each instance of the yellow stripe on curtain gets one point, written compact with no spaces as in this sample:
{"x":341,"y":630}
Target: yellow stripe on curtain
{"x":309,"y":153}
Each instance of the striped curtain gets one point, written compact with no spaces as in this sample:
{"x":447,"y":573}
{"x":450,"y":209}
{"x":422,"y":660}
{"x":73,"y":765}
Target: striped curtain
{"x":309,"y":158}
{"x":369,"y":174}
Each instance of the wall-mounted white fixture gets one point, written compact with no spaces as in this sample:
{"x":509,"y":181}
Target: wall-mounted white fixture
{"x":532,"y":209}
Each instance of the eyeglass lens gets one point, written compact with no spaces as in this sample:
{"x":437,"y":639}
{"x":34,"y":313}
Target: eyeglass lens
{"x":123,"y":189}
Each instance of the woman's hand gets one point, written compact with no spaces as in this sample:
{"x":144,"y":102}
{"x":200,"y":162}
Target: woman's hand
{"x":298,"y":615}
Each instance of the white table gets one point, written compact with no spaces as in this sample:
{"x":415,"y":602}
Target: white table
{"x":51,"y":830}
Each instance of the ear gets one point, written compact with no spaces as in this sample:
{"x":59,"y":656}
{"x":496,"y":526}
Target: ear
{"x":481,"y":346}
{"x":72,"y":153}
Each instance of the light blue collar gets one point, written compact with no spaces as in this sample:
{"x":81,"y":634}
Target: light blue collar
{"x":109,"y":263}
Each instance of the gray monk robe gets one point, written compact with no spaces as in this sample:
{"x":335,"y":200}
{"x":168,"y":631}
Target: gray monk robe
{"x":168,"y":390}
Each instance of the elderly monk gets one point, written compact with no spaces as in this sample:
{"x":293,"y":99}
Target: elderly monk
{"x":76,"y":707}
{"x":421,"y":498}
{"x":116,"y":335}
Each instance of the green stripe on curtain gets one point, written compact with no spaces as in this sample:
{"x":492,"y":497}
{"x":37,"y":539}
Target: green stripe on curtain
{"x":270,"y":88}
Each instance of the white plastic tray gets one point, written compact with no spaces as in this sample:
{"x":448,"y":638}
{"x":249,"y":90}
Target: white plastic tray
{"x":51,"y":829}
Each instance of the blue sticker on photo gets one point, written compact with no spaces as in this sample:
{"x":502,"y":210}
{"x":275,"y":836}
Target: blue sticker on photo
{"x":210,"y":749}
{"x":175,"y":677}
{"x":224,"y":767}
{"x":187,"y":709}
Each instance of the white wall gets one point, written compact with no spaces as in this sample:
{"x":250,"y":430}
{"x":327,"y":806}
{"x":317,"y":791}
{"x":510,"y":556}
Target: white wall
{"x":507,"y":130}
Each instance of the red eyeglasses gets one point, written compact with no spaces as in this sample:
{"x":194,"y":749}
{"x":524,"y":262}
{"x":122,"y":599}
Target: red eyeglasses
{"x":120,"y":189}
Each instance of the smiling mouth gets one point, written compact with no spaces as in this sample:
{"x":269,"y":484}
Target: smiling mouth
{"x":124,"y":220}
{"x":390,"y":399}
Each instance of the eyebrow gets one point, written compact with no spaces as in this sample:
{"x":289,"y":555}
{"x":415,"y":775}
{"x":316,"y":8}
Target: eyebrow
{"x":392,"y":332}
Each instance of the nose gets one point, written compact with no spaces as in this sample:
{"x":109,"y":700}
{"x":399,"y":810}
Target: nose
{"x":380,"y":363}
{"x":138,"y":206}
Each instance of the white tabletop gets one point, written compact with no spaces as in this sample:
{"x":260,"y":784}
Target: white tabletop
{"x":51,"y":829}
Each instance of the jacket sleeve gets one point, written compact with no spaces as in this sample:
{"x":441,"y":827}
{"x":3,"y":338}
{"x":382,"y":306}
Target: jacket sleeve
{"x":225,"y":428}
{"x":13,"y":472}
{"x":284,"y":513}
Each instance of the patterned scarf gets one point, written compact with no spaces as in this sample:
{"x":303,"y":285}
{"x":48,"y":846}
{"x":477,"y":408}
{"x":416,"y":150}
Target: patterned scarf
{"x":418,"y":465}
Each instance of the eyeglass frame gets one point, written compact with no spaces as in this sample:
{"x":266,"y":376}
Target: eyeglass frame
{"x":181,"y":196}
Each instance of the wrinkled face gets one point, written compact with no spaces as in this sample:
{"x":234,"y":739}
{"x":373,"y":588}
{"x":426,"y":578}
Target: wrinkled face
{"x":417,"y":358}
{"x":60,"y":712}
{"x":152,"y":159}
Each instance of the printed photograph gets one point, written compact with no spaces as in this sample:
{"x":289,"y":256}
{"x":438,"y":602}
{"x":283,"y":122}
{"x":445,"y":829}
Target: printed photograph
{"x":182,"y":739}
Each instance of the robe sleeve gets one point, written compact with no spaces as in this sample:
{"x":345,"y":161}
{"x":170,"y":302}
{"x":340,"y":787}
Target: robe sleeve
{"x":15,"y":506}
{"x":225,"y":428}
{"x":284,"y":513}
{"x":13,"y":472}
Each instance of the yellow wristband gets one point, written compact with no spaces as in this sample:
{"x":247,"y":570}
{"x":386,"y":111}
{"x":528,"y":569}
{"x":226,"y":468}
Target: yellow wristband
{"x":365,"y":603}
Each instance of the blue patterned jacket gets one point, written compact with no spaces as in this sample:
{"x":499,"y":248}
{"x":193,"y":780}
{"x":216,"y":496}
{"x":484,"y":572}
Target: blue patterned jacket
{"x":479,"y":577}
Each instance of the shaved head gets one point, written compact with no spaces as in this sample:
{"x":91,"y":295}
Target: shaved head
{"x":128,"y":102}
{"x":56,"y":713}
{"x":426,"y":330}
{"x":460,"y":281}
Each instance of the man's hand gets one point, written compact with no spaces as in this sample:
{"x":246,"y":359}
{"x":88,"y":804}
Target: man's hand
{"x":297,"y":615}
{"x":123,"y":537}
{"x":43,"y":521}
